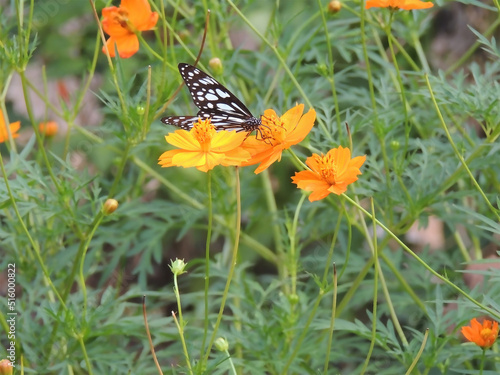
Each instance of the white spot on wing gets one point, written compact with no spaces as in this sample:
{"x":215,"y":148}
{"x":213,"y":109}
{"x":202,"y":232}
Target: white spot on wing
{"x":222,"y":94}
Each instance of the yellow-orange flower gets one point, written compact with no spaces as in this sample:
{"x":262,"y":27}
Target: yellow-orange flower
{"x":6,"y":367}
{"x":48,"y":128}
{"x":483,"y":335}
{"x":121,"y":23}
{"x":14,"y":128}
{"x":399,"y":4}
{"x":204,"y":148}
{"x":277,"y":134}
{"x":330,"y":173}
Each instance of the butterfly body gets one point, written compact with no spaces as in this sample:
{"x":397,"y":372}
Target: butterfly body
{"x":215,"y":101}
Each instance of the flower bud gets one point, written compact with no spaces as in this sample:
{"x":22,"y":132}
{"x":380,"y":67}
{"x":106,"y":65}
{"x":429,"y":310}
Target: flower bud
{"x":216,"y":65}
{"x":6,"y":367}
{"x":177,"y":266}
{"x":334,"y":6}
{"x":48,"y":128}
{"x":293,"y":298}
{"x":395,"y":145}
{"x":221,"y":344}
{"x":140,"y":110}
{"x":110,"y":206}
{"x":323,"y":69}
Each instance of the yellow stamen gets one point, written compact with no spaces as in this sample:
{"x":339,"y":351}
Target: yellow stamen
{"x":273,"y":130}
{"x":203,"y":131}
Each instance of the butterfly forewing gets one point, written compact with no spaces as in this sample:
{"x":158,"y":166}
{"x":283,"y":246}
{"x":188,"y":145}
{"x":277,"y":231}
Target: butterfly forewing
{"x":216,"y":102}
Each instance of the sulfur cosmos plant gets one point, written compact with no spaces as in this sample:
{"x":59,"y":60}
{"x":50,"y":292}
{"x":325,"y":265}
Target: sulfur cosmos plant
{"x":399,"y":4}
{"x":330,"y":173}
{"x":123,"y":22}
{"x":204,"y":148}
{"x":277,"y":134}
{"x":483,"y":334}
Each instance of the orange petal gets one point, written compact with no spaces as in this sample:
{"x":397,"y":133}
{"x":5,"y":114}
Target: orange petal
{"x":111,"y":24}
{"x":318,"y":194}
{"x":302,"y":129}
{"x":224,"y":141}
{"x":165,"y":159}
{"x":183,"y":139}
{"x":271,"y":156}
{"x":291,"y":117}
{"x":139,"y":14}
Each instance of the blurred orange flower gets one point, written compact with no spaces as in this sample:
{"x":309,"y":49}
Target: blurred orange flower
{"x":48,"y":128}
{"x":278,"y":134}
{"x":483,"y":335}
{"x":398,"y":4}
{"x":330,"y":173}
{"x":14,"y":128}
{"x":123,"y":22}
{"x":204,"y":148}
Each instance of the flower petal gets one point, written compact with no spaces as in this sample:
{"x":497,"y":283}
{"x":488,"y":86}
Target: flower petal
{"x":127,"y":45}
{"x":183,"y":139}
{"x":302,"y":129}
{"x":139,"y":14}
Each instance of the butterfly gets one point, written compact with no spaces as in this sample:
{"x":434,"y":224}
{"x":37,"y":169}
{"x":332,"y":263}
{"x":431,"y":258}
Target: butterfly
{"x":215,"y":101}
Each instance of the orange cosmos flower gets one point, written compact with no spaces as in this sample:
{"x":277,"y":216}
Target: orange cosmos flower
{"x":278,"y":134}
{"x":204,"y":148}
{"x":14,"y":128}
{"x":483,"y":335}
{"x":122,"y":23}
{"x":398,"y":4}
{"x":330,"y":173}
{"x":48,"y":128}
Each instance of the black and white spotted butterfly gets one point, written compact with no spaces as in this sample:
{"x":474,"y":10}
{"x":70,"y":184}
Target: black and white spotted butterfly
{"x":216,"y":102}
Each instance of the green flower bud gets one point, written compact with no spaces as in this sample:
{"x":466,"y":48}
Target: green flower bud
{"x":221,"y":344}
{"x":177,"y":266}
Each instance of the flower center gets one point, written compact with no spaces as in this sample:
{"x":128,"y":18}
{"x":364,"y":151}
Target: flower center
{"x":121,"y":17}
{"x":326,"y":168}
{"x":272,"y":130}
{"x":203,"y":131}
{"x":488,"y":336}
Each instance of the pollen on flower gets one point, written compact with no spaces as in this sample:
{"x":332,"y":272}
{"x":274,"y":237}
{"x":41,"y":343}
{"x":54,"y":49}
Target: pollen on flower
{"x":272,"y":129}
{"x":203,"y":130}
{"x":326,"y":167}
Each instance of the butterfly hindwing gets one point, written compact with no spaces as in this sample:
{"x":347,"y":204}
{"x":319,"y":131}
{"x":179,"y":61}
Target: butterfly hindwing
{"x":216,"y":102}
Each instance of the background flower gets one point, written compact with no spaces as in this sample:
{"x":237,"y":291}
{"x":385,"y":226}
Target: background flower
{"x":121,"y":23}
{"x":399,"y":4}
{"x":14,"y":128}
{"x":483,"y":335}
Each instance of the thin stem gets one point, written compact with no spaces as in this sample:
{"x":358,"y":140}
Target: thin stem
{"x":332,"y":321}
{"x":207,"y":259}
{"x":457,"y":152}
{"x":293,"y":257}
{"x":425,"y":265}
{"x":32,"y":242}
{"x":331,"y":66}
{"x":375,"y":290}
{"x":148,"y":332}
{"x":284,"y":65}
{"x":419,"y":354}
{"x":180,"y":328}
{"x":272,"y":208}
{"x":234,"y":259}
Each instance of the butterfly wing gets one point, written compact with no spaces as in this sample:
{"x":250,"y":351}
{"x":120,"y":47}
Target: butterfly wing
{"x":215,"y":101}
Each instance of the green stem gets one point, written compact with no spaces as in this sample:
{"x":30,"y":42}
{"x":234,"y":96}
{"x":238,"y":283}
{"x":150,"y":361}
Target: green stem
{"x":457,"y":152}
{"x":331,"y":66}
{"x":375,"y":290}
{"x":207,"y":259}
{"x":285,"y":67}
{"x":234,"y":259}
{"x":332,"y":321}
{"x":293,"y":257}
{"x":422,"y":263}
{"x":180,"y":326}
